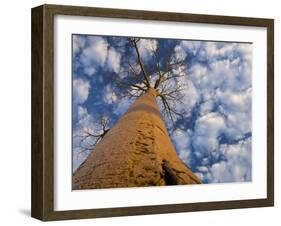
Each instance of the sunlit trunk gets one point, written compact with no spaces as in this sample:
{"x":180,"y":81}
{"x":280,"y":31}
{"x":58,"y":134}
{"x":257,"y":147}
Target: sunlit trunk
{"x":137,"y":151}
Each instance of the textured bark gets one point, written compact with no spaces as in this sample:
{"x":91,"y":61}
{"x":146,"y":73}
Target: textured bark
{"x":137,"y":151}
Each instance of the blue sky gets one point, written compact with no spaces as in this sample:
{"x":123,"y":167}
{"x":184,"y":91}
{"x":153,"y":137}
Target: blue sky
{"x":214,"y":138}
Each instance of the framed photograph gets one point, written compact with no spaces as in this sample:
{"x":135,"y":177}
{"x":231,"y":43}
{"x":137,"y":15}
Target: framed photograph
{"x":141,"y":112}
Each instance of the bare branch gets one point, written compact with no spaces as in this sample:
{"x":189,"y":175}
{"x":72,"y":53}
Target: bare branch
{"x":134,"y":41}
{"x":88,"y":138}
{"x":139,"y":87}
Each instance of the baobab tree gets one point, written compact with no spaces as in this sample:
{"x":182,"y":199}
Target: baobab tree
{"x":137,"y":150}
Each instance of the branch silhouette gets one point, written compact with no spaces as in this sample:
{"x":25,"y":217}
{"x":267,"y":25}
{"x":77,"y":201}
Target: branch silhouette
{"x":88,"y":138}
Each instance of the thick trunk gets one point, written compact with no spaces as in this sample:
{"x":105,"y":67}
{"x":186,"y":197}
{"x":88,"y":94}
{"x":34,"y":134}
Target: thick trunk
{"x":137,"y":151}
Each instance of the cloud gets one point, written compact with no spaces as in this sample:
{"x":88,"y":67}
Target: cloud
{"x":204,"y":80}
{"x":237,"y":107}
{"x":146,"y":48}
{"x":109,"y":96}
{"x":189,"y":47}
{"x":182,"y":140}
{"x":79,"y":42}
{"x":85,"y":122}
{"x":207,"y":107}
{"x":83,"y":145}
{"x":94,"y":55}
{"x":122,"y":106}
{"x":235,"y":168}
{"x":190,"y":94}
{"x":206,"y":133}
{"x":227,"y":65}
{"x":180,"y":53}
{"x":223,"y":83}
{"x":219,"y":84}
{"x":231,"y":76}
{"x":216,"y":49}
{"x":90,"y":70}
{"x":113,"y":60}
{"x":96,"y":52}
{"x":80,"y":91}
{"x":203,"y":169}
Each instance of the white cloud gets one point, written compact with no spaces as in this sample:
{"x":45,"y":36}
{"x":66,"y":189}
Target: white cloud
{"x":236,"y":167}
{"x":230,"y":75}
{"x":109,"y":96}
{"x":146,"y":48}
{"x":85,"y":120}
{"x":223,"y":81}
{"x":235,"y":101}
{"x":220,"y":172}
{"x":216,"y":49}
{"x":228,"y":64}
{"x":203,"y":169}
{"x":113,"y":60}
{"x":80,"y":90}
{"x":200,"y":176}
{"x":200,"y":76}
{"x":219,"y":86}
{"x":85,"y":123}
{"x":246,"y":51}
{"x":207,"y":130}
{"x":206,"y":107}
{"x":224,"y":84}
{"x":122,"y":106}
{"x":189,"y":95}
{"x":78,"y":43}
{"x":182,"y":140}
{"x":90,"y":70}
{"x":94,"y":54}
{"x":180,"y":53}
{"x":205,"y":161}
{"x":82,"y":112}
{"x":237,"y":107}
{"x":191,"y":47}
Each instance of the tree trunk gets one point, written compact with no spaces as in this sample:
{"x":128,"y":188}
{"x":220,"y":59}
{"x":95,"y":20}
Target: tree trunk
{"x":137,"y":151}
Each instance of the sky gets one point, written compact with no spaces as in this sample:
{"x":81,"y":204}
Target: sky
{"x":213,"y":138}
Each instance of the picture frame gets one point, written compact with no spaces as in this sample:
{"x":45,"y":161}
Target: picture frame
{"x":43,"y":108}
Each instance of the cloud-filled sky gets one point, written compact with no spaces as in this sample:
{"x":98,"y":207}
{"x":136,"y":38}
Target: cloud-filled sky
{"x":213,"y":139}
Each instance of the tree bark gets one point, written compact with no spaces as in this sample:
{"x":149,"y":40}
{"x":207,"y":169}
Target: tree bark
{"x":137,"y":151}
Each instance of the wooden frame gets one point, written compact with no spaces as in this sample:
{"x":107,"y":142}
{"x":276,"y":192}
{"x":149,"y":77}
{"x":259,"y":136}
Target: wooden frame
{"x":43,"y":119}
